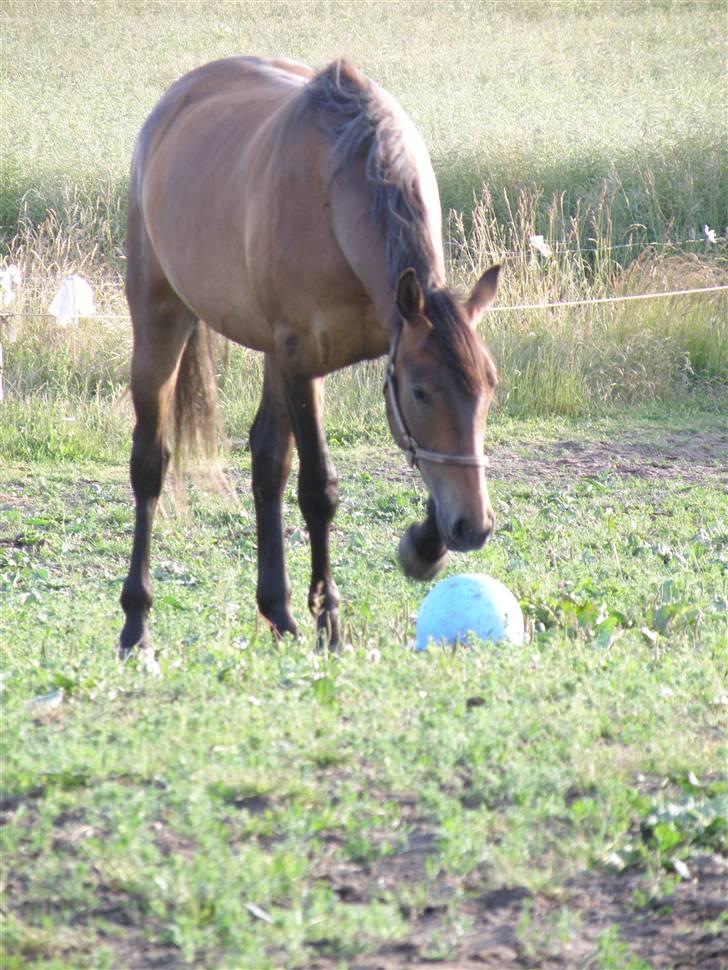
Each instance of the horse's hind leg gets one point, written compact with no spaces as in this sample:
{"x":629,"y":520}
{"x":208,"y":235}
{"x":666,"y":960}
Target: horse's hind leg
{"x":270,"y":445}
{"x":162,"y":326}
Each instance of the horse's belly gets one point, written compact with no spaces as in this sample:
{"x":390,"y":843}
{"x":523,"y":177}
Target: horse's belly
{"x":244,"y":326}
{"x":331,"y":340}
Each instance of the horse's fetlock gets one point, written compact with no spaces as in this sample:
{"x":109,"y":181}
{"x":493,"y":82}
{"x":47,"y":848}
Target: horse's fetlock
{"x":273,"y":602}
{"x":323,"y":597}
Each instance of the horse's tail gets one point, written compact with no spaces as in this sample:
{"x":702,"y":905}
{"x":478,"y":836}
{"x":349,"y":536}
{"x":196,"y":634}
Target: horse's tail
{"x":196,"y":426}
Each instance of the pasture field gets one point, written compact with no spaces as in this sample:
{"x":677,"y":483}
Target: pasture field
{"x":256,"y":805}
{"x":576,"y":98}
{"x":259,"y":805}
{"x":601,"y":126}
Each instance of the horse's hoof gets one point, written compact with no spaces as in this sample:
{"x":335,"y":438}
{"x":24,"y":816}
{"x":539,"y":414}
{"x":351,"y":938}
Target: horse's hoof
{"x":283,"y":626}
{"x":328,"y":635}
{"x":413,"y":565}
{"x":147,"y":662}
{"x":143,"y":657}
{"x":134,"y":636}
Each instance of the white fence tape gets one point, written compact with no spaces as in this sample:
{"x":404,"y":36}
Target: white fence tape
{"x":607,"y":299}
{"x":496,"y":309}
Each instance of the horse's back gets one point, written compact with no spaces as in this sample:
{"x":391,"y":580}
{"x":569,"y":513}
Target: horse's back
{"x":213,"y":87}
{"x":201,"y":184}
{"x":264,"y":202}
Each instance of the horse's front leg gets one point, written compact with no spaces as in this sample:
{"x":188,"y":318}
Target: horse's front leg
{"x":160,"y":336}
{"x":422,"y":553}
{"x":318,"y":497}
{"x":271,"y":443}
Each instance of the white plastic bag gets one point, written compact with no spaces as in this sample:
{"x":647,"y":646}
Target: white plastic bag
{"x":74,"y":300}
{"x":9,"y":279}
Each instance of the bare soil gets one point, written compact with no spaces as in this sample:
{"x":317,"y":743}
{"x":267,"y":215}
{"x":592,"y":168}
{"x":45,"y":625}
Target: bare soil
{"x":509,"y":927}
{"x":489,"y":927}
{"x":697,"y":457}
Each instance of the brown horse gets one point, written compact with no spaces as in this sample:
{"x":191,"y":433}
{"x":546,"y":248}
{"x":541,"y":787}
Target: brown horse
{"x":298,"y":215}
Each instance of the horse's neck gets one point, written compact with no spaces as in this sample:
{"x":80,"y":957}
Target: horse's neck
{"x":364,"y":245}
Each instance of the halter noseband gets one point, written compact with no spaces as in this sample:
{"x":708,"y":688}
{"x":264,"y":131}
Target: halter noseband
{"x":400,"y":431}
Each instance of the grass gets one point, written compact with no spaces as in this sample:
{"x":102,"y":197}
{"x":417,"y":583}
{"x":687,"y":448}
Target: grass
{"x":534,"y":123}
{"x":261,"y":806}
{"x":568,"y":97}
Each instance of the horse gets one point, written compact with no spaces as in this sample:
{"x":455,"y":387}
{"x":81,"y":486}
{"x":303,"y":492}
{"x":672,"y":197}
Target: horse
{"x":297,"y":213}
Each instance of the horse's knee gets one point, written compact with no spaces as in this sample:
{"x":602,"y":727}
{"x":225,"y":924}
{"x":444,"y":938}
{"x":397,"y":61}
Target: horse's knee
{"x":148,"y":464}
{"x":270,"y":457}
{"x":269,"y":473}
{"x":318,"y":501}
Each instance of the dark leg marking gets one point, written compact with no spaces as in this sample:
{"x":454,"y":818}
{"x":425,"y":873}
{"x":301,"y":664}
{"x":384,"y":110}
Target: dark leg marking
{"x":318,"y":498}
{"x":159,"y":341}
{"x":271,"y":443}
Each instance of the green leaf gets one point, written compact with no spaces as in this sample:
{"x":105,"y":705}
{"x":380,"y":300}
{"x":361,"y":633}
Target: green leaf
{"x":324,"y":690}
{"x":667,"y":837}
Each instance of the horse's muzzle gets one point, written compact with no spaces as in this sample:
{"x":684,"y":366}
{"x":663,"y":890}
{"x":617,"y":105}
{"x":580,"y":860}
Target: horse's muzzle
{"x":464,"y":536}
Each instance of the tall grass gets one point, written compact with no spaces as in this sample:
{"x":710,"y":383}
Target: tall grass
{"x":563,"y":360}
{"x":575,"y":360}
{"x":595,"y":125}
{"x":561,"y":96}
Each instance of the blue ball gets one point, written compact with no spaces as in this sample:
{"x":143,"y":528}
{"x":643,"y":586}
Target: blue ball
{"x":462,"y":607}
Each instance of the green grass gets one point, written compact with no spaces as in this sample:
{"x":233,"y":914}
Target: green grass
{"x":263,"y":806}
{"x":565,"y":96}
{"x":596,"y":125}
{"x":259,"y":805}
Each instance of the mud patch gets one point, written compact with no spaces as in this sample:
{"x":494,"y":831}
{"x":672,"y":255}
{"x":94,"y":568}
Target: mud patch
{"x":596,"y":919}
{"x":696,"y":457}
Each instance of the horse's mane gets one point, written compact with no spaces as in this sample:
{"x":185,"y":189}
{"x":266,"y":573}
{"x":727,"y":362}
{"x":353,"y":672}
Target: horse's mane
{"x":360,"y":122}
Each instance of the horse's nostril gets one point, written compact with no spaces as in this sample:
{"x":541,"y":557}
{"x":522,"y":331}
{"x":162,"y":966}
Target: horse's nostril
{"x":480,"y":538}
{"x":466,"y":536}
{"x":461,"y":531}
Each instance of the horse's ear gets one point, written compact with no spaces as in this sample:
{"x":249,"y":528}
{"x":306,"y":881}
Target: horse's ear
{"x":410,"y":301}
{"x":483,"y":293}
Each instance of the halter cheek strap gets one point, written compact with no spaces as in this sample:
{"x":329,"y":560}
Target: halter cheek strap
{"x":401,"y":432}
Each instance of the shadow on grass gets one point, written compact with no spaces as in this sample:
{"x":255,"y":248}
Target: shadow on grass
{"x":668,"y":191}
{"x":672,"y":190}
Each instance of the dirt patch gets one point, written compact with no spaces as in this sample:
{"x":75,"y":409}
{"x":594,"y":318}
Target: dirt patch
{"x":697,"y":457}
{"x":596,"y":919}
{"x":692,"y":456}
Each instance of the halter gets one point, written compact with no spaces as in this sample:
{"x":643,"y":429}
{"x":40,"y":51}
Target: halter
{"x":400,"y":431}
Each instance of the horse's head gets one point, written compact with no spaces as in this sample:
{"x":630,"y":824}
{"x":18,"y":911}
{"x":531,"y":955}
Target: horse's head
{"x":440,"y":382}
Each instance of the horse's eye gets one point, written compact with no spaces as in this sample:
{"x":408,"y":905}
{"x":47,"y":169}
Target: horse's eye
{"x":420,"y":394}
